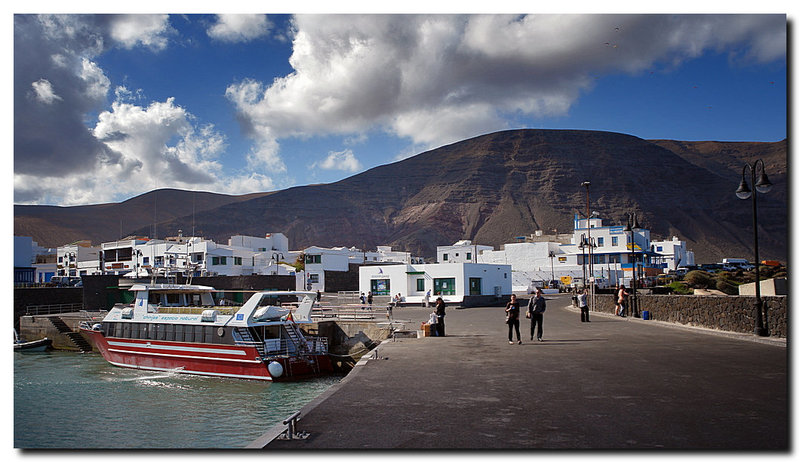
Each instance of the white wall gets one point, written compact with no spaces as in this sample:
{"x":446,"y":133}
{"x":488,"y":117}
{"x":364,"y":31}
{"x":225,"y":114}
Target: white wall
{"x":403,"y":279}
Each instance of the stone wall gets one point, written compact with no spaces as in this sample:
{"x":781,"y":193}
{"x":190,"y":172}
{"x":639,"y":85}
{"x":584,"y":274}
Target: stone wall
{"x":733,"y":314}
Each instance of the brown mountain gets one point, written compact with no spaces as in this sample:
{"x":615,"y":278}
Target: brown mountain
{"x":52,"y":226}
{"x":495,"y":187}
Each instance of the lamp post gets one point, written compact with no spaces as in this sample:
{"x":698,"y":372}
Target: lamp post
{"x":586,"y":185}
{"x":763,"y":186}
{"x":552,"y":255}
{"x":583,"y":245}
{"x":631,"y":227}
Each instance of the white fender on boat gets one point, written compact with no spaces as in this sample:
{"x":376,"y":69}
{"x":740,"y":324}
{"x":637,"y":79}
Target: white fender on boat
{"x":275,"y":369}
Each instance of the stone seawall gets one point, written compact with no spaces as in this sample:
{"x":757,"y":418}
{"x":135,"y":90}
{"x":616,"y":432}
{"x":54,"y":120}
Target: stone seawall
{"x":733,"y":314}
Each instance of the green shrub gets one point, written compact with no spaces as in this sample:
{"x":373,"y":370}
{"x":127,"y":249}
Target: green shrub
{"x":727,"y":287}
{"x":699,"y":279}
{"x":680,"y":288}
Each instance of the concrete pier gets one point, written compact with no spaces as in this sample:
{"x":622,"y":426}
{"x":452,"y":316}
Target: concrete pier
{"x":612,"y":383}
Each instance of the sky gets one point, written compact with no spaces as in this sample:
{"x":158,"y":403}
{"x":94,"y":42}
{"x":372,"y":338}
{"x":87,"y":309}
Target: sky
{"x":107,"y":107}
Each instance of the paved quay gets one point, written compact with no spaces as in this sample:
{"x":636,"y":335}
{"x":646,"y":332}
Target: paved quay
{"x":613,"y":383}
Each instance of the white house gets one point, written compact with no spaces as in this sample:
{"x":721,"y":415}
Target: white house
{"x":468,"y":284}
{"x":244,"y":255}
{"x":673,"y":253}
{"x":569,"y":259}
{"x":461,"y":252}
{"x":78,"y":259}
{"x":318,"y":260}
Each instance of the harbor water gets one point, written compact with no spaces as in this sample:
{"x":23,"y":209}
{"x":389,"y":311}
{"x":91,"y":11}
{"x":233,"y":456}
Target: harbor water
{"x":66,"y":400}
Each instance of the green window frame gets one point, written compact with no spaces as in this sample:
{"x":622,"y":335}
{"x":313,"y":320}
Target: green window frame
{"x":380,"y":287}
{"x":444,"y":286}
{"x":421,"y":285}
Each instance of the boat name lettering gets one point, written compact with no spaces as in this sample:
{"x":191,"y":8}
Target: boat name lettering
{"x":150,"y":317}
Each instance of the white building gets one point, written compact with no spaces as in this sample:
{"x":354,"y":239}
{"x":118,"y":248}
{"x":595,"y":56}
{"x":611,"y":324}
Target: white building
{"x":461,"y":252}
{"x":318,"y":260}
{"x":196,"y":256}
{"x":461,"y":283}
{"x":568,"y":260}
{"x":78,"y":259}
{"x":673,"y":253}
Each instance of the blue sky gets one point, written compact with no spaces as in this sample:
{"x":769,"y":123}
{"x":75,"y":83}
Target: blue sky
{"x":123,"y":104}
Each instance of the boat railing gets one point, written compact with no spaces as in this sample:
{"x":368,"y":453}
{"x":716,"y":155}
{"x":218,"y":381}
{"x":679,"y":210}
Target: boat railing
{"x":223,"y":310}
{"x":285,"y":346}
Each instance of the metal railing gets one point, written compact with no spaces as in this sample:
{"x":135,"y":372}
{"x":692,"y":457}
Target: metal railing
{"x":344,"y":312}
{"x":285,"y":346}
{"x":34,"y":310}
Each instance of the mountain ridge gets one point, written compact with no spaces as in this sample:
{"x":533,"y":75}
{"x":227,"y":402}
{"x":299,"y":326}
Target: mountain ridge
{"x":494,"y":187}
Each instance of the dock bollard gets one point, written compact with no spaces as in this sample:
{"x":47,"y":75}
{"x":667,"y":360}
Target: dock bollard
{"x":291,"y":432}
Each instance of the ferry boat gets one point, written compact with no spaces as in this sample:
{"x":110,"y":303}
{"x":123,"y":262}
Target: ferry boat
{"x":178,"y":327}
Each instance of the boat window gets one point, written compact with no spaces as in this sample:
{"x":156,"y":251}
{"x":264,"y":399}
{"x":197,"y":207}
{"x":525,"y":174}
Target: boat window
{"x":272,"y":332}
{"x":188,"y":334}
{"x":126,"y":330}
{"x":173,"y":299}
{"x":269,"y":300}
{"x":198,"y":334}
{"x":134,"y":330}
{"x":169,"y":332}
{"x":179,"y":336}
{"x":159,"y":332}
{"x":154,"y":298}
{"x":208,"y":332}
{"x":118,"y":329}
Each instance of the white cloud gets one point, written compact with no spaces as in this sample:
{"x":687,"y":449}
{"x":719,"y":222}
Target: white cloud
{"x":341,"y":160}
{"x":239,"y":27}
{"x":43,"y":91}
{"x":149,"y":30}
{"x":439,"y":78}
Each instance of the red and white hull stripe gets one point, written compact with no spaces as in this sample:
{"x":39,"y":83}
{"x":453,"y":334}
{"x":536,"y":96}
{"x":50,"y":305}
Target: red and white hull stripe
{"x":194,"y":358}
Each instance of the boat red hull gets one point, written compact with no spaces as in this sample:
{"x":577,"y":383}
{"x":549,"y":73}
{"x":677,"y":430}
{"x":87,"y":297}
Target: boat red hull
{"x":203,"y":359}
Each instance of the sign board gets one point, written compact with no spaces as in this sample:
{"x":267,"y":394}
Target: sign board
{"x":566,"y":280}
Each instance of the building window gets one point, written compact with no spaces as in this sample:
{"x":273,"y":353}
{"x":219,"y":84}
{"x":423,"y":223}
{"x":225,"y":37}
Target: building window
{"x":444,"y":286}
{"x":312,"y":259}
{"x":313,"y":278}
{"x":469,"y":255}
{"x":659,"y":249}
{"x":600,"y":242}
{"x":237,"y":261}
{"x":475,"y":286}
{"x":444,"y":257}
{"x":145,"y":260}
{"x":380,"y":287}
{"x":219,"y":260}
{"x":420,"y":285}
{"x":614,"y":241}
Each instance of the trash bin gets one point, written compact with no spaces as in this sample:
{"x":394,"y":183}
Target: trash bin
{"x":645,"y":315}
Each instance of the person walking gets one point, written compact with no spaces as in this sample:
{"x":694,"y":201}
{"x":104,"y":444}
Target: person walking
{"x":428,"y":298}
{"x":536,"y":307}
{"x":512,"y":319}
{"x":622,"y":300}
{"x":584,"y":305}
{"x":440,"y":317}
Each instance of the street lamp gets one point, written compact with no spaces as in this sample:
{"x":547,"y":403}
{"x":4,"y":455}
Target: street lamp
{"x":631,"y":227}
{"x":586,"y":185}
{"x":552,"y":255}
{"x":763,"y":186}
{"x":584,"y":243}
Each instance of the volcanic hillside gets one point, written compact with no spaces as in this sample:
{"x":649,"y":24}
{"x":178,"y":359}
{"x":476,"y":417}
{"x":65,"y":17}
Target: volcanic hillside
{"x":489,"y":189}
